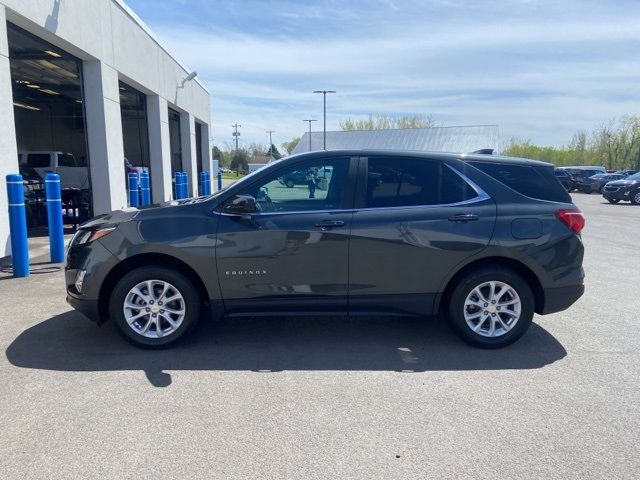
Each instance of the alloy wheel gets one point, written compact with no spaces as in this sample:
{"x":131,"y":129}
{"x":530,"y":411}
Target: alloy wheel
{"x":492,"y":309}
{"x":154,"y":308}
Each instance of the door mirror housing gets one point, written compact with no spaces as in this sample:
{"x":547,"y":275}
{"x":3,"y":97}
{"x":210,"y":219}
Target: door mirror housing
{"x":241,"y":205}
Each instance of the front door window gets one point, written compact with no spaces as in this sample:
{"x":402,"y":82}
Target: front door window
{"x":316,"y":185}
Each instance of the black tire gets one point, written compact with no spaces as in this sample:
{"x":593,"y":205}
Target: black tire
{"x":192,"y":305}
{"x":289,"y":183}
{"x":456,"y":307}
{"x":587,"y":190}
{"x":612,"y":200}
{"x":635,"y":197}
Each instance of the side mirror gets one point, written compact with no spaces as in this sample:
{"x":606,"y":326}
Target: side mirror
{"x":241,"y":205}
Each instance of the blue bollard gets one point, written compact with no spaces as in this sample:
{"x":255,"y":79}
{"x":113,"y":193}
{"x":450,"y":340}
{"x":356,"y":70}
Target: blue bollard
{"x":178,"y":186}
{"x":54,"y":216}
{"x":18,"y":226}
{"x":219,"y":179}
{"x":145,"y":193}
{"x":134,"y":200}
{"x":207,"y":183}
{"x":185,"y":185}
{"x":203,"y":183}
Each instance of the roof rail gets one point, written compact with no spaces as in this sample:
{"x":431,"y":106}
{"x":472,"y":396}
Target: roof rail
{"x":484,"y":151}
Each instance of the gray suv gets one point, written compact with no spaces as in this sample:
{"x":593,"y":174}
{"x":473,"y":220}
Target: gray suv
{"x":483,"y":240}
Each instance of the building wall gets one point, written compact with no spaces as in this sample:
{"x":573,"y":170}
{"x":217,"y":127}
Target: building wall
{"x":114,"y":45}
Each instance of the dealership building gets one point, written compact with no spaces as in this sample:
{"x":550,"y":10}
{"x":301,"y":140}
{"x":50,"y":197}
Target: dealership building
{"x":87,"y":88}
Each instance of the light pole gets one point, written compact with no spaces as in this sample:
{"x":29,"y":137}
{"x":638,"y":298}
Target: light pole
{"x":310,"y":131}
{"x":324,"y":97}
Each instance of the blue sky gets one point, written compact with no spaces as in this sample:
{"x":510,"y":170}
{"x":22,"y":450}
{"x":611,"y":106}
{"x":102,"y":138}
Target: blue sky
{"x":538,"y":69}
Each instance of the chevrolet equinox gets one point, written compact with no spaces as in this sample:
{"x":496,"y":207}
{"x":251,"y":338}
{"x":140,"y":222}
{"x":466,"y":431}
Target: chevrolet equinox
{"x":483,"y":240}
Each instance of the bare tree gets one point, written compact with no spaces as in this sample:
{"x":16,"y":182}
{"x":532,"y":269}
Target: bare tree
{"x":384,"y":122}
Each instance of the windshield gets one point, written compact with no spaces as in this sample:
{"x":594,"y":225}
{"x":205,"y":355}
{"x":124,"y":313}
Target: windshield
{"x":240,"y":181}
{"x":635,"y":176}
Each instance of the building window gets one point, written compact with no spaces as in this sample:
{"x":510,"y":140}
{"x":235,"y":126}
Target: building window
{"x":175,"y":141}
{"x":48,"y":104}
{"x":201,"y":167}
{"x":135,"y":135}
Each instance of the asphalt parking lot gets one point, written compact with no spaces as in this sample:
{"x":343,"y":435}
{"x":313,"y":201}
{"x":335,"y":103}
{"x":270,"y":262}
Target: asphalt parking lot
{"x":331,"y":398}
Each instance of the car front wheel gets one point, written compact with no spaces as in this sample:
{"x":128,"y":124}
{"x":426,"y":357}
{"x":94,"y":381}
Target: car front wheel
{"x":289,"y":183}
{"x":154,"y":306}
{"x":491,"y":308}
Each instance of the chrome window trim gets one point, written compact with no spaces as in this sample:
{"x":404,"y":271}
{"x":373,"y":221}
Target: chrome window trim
{"x":481,"y":197}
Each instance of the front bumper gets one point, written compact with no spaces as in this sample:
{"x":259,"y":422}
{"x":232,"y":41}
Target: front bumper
{"x":619,"y":194}
{"x":87,"y":307}
{"x":96,"y":261}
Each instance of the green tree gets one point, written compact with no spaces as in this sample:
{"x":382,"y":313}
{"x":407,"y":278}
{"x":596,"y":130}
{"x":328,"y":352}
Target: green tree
{"x":239,"y":161}
{"x":290,"y":145}
{"x":384,"y":122}
{"x":615,"y":144}
{"x":273,"y":151}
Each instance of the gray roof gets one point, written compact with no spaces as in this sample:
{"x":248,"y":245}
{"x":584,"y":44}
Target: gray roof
{"x":436,"y":139}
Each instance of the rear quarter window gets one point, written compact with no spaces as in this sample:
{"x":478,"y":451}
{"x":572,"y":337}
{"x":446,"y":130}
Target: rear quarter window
{"x":532,"y":181}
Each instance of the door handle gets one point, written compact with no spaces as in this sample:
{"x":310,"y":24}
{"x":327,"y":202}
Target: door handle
{"x":329,"y":224}
{"x":464,"y":217}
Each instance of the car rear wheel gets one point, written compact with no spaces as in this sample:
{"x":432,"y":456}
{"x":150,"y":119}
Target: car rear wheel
{"x":289,"y":183}
{"x":491,"y":308}
{"x":154,"y":306}
{"x":635,"y":197}
{"x":587,"y":190}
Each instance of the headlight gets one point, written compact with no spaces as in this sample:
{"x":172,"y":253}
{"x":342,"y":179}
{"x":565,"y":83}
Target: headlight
{"x":92,"y":235}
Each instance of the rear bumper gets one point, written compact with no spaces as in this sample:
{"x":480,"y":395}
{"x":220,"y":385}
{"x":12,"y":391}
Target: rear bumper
{"x":561,"y":298}
{"x":89,"y":308}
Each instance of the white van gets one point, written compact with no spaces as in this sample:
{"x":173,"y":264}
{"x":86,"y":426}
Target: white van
{"x":64,"y":164}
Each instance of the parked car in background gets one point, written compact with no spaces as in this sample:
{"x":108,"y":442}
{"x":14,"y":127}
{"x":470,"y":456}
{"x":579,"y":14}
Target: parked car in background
{"x":626,"y":173}
{"x":484,"y":240}
{"x":72,"y":173}
{"x":34,"y":196}
{"x":627,"y":189}
{"x":74,"y":185}
{"x":596,"y":182}
{"x":580,"y":174}
{"x":563,"y":177}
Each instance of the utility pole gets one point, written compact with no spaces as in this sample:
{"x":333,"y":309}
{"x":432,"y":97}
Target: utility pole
{"x":310,"y":132}
{"x":236,"y":134}
{"x":270,"y":144}
{"x":324,"y":97}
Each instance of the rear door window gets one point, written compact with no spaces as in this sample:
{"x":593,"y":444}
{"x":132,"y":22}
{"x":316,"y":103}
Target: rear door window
{"x":404,"y":182}
{"x":532,"y":181}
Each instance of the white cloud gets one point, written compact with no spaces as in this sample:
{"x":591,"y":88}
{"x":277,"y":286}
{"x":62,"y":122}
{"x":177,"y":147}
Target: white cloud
{"x":540,"y":75}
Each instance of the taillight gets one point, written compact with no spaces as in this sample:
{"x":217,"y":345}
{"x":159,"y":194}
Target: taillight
{"x":573,"y":219}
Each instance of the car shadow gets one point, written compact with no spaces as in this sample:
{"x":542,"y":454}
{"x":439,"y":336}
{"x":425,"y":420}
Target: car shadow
{"x":68,"y":342}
